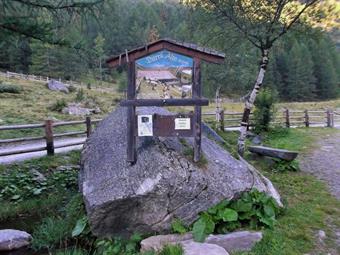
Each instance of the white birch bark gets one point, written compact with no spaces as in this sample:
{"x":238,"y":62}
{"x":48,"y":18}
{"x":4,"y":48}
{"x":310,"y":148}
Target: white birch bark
{"x":249,"y":104}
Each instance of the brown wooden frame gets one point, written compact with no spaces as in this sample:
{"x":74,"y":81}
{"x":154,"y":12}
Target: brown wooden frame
{"x":193,"y":51}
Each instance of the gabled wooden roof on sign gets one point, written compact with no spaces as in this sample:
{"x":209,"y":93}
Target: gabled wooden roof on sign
{"x":188,"y":49}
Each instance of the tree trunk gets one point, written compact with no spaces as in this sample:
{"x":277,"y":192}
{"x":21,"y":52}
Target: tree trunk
{"x":249,"y":104}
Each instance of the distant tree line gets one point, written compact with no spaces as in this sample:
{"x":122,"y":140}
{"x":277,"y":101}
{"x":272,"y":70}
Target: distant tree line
{"x":304,"y":65}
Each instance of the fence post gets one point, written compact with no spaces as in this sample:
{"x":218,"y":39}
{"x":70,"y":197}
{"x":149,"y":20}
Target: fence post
{"x":330,"y":120}
{"x":221,"y":119}
{"x":49,"y":137}
{"x":306,"y":118}
{"x":88,"y":126}
{"x":287,"y":118}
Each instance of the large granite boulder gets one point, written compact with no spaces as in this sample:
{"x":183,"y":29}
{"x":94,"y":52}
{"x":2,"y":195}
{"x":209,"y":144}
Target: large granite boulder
{"x":163,"y":185}
{"x":57,"y":86}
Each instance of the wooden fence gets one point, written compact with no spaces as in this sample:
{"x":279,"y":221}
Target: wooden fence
{"x":39,"y":78}
{"x":287,"y":118}
{"x":48,"y":136}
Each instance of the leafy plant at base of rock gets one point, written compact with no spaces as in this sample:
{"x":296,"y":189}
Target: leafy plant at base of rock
{"x":18,"y":185}
{"x":253,"y":209}
{"x":119,"y":246}
{"x":9,"y":88}
{"x":172,"y":250}
{"x":59,"y":105}
{"x":178,"y":227}
{"x":264,"y":110}
{"x":283,"y":165}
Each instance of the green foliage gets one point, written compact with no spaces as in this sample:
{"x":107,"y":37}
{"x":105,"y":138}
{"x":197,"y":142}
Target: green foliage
{"x":264,"y":110}
{"x":253,"y":209}
{"x":59,"y":105}
{"x":283,"y":165}
{"x":119,"y":246}
{"x":15,"y":186}
{"x":80,"y":96}
{"x":73,"y":251}
{"x":172,"y":250}
{"x":71,"y":223}
{"x":9,"y":88}
{"x":178,"y":227}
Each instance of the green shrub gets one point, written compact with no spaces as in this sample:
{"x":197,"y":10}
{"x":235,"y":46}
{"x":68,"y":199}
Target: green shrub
{"x":283,"y":165}
{"x":119,"y":246}
{"x":9,"y":88}
{"x":72,"y":89}
{"x":253,"y":209}
{"x":73,"y":251}
{"x":80,"y":96}
{"x":264,"y":110}
{"x":16,"y":186}
{"x":172,"y":250}
{"x":59,"y":105}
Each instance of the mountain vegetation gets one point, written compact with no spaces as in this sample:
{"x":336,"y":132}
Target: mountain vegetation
{"x":72,"y":40}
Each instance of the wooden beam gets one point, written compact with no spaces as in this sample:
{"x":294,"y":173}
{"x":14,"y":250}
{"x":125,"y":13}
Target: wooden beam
{"x":274,"y":153}
{"x":131,"y":113}
{"x":163,"y":45}
{"x":197,"y":93}
{"x":166,"y":102}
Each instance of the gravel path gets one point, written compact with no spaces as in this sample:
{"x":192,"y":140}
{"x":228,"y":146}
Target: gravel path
{"x":324,"y":162}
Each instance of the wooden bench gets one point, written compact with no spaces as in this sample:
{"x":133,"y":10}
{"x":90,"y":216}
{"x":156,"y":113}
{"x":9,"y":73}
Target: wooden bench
{"x":274,"y":153}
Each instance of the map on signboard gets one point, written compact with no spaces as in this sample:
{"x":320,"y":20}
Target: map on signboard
{"x":164,"y":74}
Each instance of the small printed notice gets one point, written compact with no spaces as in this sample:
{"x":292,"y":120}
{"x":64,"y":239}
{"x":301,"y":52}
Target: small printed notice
{"x":182,"y":124}
{"x":145,"y":126}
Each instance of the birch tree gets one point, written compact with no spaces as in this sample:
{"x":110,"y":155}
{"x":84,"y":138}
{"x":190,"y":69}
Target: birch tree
{"x":262,"y":23}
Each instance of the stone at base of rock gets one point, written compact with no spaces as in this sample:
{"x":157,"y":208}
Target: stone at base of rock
{"x":11,"y":239}
{"x":237,"y":241}
{"x":194,"y":248}
{"x":232,"y":242}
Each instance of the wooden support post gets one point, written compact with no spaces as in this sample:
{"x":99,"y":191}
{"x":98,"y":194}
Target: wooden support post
{"x":131,"y":115}
{"x":329,"y":118}
{"x":221,"y":120}
{"x":88,"y":126}
{"x":287,"y":118}
{"x":197,"y":92}
{"x":49,"y":137}
{"x":306,"y":118}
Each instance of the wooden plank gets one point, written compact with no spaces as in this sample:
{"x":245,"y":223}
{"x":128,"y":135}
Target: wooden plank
{"x":21,"y":139}
{"x":70,"y":134}
{"x":274,"y":153}
{"x":68,"y":123}
{"x":131,"y":115}
{"x":197,"y":93}
{"x":165,"y":102}
{"x":68,"y":145}
{"x":13,"y":152}
{"x":26,"y":126}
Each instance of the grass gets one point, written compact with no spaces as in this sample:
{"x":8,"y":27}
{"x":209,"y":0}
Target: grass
{"x":310,"y":207}
{"x":35,"y":102}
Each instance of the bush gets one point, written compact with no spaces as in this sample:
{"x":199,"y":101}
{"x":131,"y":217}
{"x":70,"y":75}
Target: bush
{"x":253,"y":209}
{"x":59,"y":105}
{"x":264,"y":110}
{"x":8,"y":88}
{"x":80,"y":95}
{"x":72,"y":89}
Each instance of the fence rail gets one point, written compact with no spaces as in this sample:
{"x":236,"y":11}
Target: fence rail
{"x":38,"y":78}
{"x":287,"y":118}
{"x":49,"y":135}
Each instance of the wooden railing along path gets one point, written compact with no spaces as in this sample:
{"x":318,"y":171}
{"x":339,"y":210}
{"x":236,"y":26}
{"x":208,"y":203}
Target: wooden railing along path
{"x":287,"y":118}
{"x":49,"y":135}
